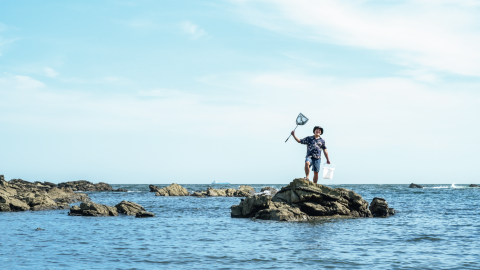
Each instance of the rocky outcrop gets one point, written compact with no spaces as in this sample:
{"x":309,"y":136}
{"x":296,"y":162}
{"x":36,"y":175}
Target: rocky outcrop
{"x":119,"y":190}
{"x":303,"y":200}
{"x":144,"y":214}
{"x":129,"y":208}
{"x":244,"y":191}
{"x":473,"y":185}
{"x":379,"y":208}
{"x":229,"y":192}
{"x":83,"y":185}
{"x":412,"y":185}
{"x":269,"y":191}
{"x":173,"y":190}
{"x":93,"y":209}
{"x":21,"y":195}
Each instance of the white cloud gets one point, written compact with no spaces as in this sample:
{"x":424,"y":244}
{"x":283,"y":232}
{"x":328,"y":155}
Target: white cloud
{"x":19,"y":82}
{"x":50,"y":72}
{"x":438,"y":35}
{"x":193,"y":30}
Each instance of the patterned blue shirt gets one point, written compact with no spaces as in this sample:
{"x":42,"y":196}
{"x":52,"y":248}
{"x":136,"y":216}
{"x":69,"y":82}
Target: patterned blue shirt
{"x":314,"y":146}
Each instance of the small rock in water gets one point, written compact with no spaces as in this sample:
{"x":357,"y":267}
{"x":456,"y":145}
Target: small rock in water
{"x":39,"y":229}
{"x":379,"y":208}
{"x":129,"y":208}
{"x":144,"y":214}
{"x":473,"y":185}
{"x":412,"y":185}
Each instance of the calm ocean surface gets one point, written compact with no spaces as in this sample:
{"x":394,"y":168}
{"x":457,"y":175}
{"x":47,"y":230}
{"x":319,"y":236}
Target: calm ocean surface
{"x":437,"y":227}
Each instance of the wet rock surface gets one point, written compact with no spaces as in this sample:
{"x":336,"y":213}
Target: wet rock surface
{"x":172,"y":190}
{"x":21,"y":195}
{"x":473,"y":185}
{"x":379,"y":208}
{"x":129,"y":208}
{"x":83,"y":185}
{"x":304,"y":200}
{"x":93,"y":209}
{"x":412,"y":185}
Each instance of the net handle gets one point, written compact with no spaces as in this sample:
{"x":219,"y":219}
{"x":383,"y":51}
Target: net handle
{"x":291,"y":134}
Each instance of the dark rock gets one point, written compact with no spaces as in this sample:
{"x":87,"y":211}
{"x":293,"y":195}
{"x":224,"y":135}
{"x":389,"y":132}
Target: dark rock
{"x":93,"y":209}
{"x":144,"y":214}
{"x":120,"y":190}
{"x":303,"y":200}
{"x":154,"y":188}
{"x":129,"y":208}
{"x":473,"y":185}
{"x":2,"y":177}
{"x":39,"y":229}
{"x":379,"y":208}
{"x":52,"y":185}
{"x":412,"y":185}
{"x":83,"y":185}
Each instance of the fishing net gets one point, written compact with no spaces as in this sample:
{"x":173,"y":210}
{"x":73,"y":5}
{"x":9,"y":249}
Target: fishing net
{"x":301,"y":119}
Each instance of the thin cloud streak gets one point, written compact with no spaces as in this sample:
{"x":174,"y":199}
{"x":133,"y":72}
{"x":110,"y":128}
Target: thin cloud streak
{"x":440,"y":36}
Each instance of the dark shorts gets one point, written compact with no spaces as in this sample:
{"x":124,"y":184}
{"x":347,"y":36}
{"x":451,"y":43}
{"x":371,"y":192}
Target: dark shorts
{"x":315,"y":163}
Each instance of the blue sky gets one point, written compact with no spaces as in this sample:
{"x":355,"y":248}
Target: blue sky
{"x":196,"y":91}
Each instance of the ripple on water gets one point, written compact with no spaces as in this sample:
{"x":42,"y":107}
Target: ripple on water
{"x":436,"y":227}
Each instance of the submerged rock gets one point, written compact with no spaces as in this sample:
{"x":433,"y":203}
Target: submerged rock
{"x":129,"y":208}
{"x":172,"y":190}
{"x":21,"y":195}
{"x":144,"y":214}
{"x":120,"y":190}
{"x":473,"y":185}
{"x":412,"y":185}
{"x":83,"y":185}
{"x":303,"y":200}
{"x":93,"y":209}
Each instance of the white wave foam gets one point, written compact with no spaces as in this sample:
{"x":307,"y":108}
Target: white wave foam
{"x":266,"y":192}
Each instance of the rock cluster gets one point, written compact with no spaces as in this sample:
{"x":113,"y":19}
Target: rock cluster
{"x":172,"y":190}
{"x":304,"y":200}
{"x":21,"y":195}
{"x":473,"y":185}
{"x":242,"y":191}
{"x":83,"y":185}
{"x":100,"y":210}
{"x":412,"y":185}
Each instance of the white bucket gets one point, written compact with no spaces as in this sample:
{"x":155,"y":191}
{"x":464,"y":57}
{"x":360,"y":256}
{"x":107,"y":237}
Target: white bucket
{"x":328,"y":171}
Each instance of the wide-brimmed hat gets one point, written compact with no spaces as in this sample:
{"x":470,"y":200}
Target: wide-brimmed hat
{"x":321,"y":129}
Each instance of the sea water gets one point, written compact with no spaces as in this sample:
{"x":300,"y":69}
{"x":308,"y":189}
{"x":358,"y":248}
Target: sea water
{"x":437,"y":227}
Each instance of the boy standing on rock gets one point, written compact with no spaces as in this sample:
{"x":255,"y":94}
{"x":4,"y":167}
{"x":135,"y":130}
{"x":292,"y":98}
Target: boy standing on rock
{"x":315,"y":144}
